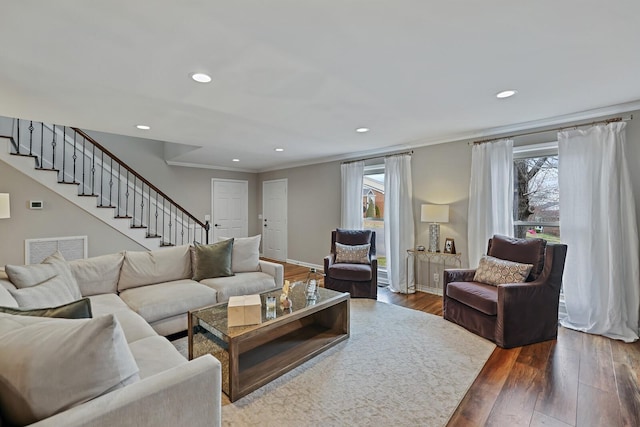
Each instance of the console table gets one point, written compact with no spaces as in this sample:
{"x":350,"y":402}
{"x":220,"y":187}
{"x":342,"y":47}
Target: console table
{"x":441,"y":258}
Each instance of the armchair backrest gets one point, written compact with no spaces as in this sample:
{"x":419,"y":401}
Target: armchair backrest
{"x":353,"y":237}
{"x":526,"y":251}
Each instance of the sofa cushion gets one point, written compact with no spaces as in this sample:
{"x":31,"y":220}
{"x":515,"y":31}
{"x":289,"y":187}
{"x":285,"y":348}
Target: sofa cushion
{"x":496,"y":271}
{"x":525,"y":251}
{"x":213,"y":260}
{"x":133,"y":325}
{"x":477,"y":295}
{"x":141,"y":268}
{"x":39,"y":357}
{"x":352,"y":254}
{"x":24,"y":276}
{"x":240,"y":284}
{"x":352,"y":272}
{"x":245,"y":256}
{"x":80,"y":309}
{"x":154,"y":355}
{"x":155,"y":302}
{"x":97,"y":275}
{"x":50,"y":293}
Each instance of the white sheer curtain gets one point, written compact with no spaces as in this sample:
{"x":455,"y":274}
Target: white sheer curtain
{"x":490,"y":195}
{"x":398,"y":219}
{"x":598,"y":222}
{"x":352,"y":176}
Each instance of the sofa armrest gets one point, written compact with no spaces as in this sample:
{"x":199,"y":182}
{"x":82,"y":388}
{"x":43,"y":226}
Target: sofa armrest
{"x":187,"y":395}
{"x":458,"y":275}
{"x":273,"y":269}
{"x":328,"y":262}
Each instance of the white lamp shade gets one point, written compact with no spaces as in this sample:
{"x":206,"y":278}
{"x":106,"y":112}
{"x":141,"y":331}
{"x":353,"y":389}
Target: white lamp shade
{"x":5,"y":211}
{"x":434,"y":213}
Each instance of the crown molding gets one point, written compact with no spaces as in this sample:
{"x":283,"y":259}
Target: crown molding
{"x":201,"y":166}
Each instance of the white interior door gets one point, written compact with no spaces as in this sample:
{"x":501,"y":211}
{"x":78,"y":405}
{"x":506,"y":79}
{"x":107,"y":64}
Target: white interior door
{"x":230,"y":208}
{"x":274,"y":219}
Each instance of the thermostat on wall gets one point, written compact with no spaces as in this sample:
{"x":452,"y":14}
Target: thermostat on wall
{"x":36,"y":204}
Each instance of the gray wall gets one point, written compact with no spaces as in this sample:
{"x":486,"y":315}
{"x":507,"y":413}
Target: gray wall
{"x":189,"y":187}
{"x":313,"y":208}
{"x":59,"y":218}
{"x":441,"y":174}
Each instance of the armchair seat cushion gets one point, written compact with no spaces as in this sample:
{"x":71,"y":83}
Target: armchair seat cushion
{"x":479,"y":296}
{"x":351,"y":272}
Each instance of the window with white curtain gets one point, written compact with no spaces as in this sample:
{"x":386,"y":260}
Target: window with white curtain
{"x":536,"y":199}
{"x":373,"y":208}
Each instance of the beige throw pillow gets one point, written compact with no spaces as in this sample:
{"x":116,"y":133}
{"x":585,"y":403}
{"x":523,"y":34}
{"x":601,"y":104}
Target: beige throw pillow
{"x":352,"y":254}
{"x":496,"y":271}
{"x":50,"y":293}
{"x":50,"y":365}
{"x":245,"y":256}
{"x":24,"y":276}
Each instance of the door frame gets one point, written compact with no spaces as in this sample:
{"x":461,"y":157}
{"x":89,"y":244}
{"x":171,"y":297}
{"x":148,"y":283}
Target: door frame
{"x":213,"y":180}
{"x":285,"y":248}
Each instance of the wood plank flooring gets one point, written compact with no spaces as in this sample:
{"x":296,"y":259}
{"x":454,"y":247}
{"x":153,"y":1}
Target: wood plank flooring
{"x":577,"y":380}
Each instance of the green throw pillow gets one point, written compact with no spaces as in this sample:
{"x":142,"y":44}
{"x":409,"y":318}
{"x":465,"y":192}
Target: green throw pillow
{"x":80,"y":309}
{"x":213,"y":260}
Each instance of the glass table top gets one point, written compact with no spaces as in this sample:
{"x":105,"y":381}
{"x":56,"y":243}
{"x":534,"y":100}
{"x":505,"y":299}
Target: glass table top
{"x":214,"y":318}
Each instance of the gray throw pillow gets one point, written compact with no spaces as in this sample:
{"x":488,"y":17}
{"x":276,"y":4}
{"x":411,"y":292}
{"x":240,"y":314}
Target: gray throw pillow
{"x":213,"y":260}
{"x":80,"y":309}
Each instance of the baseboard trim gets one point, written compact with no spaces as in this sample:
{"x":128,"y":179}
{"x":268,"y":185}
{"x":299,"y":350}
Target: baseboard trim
{"x":320,"y":268}
{"x":429,"y":289}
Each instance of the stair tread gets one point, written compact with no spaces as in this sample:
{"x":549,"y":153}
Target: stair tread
{"x":106,"y":206}
{"x":89,"y":195}
{"x":123,"y":217}
{"x":153,"y":236}
{"x":68,"y":182}
{"x":48,"y":169}
{"x":24,"y":155}
{"x":138,"y":226}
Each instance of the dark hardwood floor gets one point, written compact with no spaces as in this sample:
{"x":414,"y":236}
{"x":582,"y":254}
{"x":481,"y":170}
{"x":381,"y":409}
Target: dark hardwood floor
{"x":577,"y":380}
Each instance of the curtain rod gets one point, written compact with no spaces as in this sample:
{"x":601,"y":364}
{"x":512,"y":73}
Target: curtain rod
{"x":607,"y":121}
{"x":377,"y":157}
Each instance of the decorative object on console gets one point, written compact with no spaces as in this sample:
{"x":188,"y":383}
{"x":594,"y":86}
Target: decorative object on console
{"x":435,"y":214}
{"x":449,"y":246}
{"x":5,"y":206}
{"x":313,"y":281}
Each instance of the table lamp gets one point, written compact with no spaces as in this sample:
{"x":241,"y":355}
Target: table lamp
{"x":5,"y":211}
{"x":435,"y":214}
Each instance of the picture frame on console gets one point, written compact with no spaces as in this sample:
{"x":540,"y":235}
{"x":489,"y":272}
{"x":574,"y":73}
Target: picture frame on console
{"x":449,"y":246}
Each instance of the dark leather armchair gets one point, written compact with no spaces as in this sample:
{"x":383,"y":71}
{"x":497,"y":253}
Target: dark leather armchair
{"x":512,"y":314}
{"x":360,"y":280}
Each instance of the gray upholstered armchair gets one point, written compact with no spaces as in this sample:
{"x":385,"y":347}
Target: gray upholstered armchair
{"x":511,"y":314}
{"x":359,"y":279}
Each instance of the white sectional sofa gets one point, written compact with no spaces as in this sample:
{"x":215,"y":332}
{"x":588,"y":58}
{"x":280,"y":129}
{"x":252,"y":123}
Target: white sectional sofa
{"x":149,"y":294}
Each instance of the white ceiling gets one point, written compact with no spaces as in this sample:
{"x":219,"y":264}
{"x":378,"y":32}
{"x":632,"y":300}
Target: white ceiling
{"x":304,"y":74}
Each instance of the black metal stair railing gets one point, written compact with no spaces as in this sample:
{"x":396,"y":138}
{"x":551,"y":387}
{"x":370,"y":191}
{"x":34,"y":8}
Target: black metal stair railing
{"x":80,"y":160}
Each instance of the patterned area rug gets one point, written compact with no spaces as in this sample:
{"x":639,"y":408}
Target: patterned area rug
{"x":399,"y":367}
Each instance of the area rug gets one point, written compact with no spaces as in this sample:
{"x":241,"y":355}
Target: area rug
{"x":399,"y":367}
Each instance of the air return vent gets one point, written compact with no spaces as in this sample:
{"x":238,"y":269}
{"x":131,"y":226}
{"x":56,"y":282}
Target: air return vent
{"x":36,"y":250}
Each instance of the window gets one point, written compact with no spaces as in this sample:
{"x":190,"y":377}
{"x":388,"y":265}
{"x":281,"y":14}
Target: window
{"x":373,"y":208}
{"x":536,"y":207}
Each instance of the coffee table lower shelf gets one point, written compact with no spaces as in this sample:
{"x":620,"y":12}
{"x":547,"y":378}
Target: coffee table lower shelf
{"x":267,"y":351}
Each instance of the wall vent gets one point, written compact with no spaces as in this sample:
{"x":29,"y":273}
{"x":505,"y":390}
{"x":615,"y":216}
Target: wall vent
{"x":36,"y":250}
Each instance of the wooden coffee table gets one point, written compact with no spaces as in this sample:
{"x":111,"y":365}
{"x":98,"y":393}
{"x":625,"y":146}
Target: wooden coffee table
{"x":251,"y":356}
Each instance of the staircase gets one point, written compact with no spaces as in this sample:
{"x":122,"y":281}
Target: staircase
{"x":72,"y":164}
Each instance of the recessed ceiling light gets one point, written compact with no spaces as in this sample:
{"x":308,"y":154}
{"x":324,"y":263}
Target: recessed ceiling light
{"x":506,"y":93}
{"x":201,"y":77}
{"x":143,"y":127}
{"x":362,"y":130}
{"x":279,"y":150}
{"x":235,"y":160}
